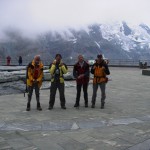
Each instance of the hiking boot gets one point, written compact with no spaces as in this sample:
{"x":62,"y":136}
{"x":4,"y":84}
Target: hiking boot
{"x":102,"y":105}
{"x":39,"y":107}
{"x":76,"y":105}
{"x":93,"y":106}
{"x":63,"y":107}
{"x":50,"y":107}
{"x":86,"y":105}
{"x":28,"y":107}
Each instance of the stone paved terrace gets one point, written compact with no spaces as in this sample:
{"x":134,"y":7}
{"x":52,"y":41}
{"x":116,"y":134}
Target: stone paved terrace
{"x":124,"y":124}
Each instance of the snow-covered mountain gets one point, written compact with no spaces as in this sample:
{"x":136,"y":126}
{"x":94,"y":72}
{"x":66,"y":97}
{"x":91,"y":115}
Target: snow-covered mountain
{"x":118,"y":40}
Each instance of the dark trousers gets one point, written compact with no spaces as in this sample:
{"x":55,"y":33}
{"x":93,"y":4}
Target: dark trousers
{"x":85,"y":87}
{"x":37,"y":92}
{"x":103,"y":95}
{"x":53,"y":89}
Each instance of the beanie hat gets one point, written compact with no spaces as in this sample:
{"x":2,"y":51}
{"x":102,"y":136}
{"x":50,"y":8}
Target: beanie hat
{"x":99,"y":56}
{"x":58,"y":55}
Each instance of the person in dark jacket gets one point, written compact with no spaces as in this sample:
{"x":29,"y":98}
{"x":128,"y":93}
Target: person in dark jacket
{"x":81,"y":73}
{"x":20,"y":61}
{"x":100,"y":70}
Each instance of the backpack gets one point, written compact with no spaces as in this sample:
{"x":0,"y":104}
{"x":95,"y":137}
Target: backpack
{"x":28,"y":66}
{"x":99,"y":75}
{"x":99,"y":72}
{"x":26,"y":77}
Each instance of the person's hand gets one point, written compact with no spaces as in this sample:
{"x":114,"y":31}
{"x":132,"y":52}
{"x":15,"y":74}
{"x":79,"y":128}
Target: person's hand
{"x":80,"y":76}
{"x":35,"y":81}
{"x":54,"y":62}
{"x":61,"y":63}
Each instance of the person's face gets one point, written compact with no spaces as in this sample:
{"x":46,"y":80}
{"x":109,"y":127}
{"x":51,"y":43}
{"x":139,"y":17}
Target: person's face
{"x":80,"y":59}
{"x":99,"y":60}
{"x":37,"y":61}
{"x":58,"y":58}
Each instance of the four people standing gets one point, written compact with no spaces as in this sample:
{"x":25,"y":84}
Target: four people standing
{"x":81,"y":73}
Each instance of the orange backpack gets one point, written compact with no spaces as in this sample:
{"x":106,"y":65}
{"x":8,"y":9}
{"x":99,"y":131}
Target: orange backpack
{"x":99,"y":75}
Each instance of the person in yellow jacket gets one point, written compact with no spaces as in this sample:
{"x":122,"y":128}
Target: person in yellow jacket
{"x":34,"y":80}
{"x":99,"y":70}
{"x":57,"y":69}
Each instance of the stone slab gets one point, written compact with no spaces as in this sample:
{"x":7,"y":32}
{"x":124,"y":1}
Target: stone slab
{"x":123,"y":124}
{"x":146,"y":72}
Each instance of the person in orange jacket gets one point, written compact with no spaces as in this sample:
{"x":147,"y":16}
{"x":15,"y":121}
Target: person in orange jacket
{"x":34,"y":80}
{"x":100,"y":70}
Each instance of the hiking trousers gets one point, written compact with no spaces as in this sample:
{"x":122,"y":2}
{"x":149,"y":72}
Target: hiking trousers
{"x":61,"y":87}
{"x":103,"y":94}
{"x":37,"y":92}
{"x":85,"y":87}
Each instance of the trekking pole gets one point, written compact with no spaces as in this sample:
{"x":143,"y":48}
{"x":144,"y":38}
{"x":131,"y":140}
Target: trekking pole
{"x":26,"y":90}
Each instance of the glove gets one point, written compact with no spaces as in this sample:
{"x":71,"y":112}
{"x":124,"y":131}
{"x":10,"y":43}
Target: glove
{"x":61,"y":63}
{"x":80,"y":76}
{"x":54,"y":62}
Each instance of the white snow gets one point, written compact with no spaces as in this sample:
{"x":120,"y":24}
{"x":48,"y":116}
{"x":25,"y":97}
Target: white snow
{"x":97,"y":44}
{"x":138,"y":34}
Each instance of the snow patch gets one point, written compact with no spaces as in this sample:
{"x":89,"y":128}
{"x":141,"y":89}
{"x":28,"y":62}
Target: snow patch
{"x":97,"y":44}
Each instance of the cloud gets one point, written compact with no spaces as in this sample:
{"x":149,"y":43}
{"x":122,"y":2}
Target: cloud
{"x":34,"y":16}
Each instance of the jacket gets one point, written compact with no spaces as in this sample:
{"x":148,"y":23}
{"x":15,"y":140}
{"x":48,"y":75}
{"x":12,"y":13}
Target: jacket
{"x":57,"y":71}
{"x":30,"y":74}
{"x":100,"y":72}
{"x":78,"y":70}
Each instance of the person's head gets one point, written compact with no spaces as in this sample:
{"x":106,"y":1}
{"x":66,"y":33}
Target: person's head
{"x":80,"y":58}
{"x":99,"y":58}
{"x":37,"y":59}
{"x":58,"y":57}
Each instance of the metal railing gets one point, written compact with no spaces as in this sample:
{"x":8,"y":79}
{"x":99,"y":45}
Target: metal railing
{"x":112,"y":62}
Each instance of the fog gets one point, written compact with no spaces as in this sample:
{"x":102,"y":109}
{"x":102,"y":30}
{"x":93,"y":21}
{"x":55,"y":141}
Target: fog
{"x":32,"y":17}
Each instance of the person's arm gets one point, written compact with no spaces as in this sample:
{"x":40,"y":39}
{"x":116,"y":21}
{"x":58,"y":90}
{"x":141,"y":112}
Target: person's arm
{"x":52,"y":69}
{"x":64,"y":69}
{"x":87,"y":72}
{"x":93,"y":68}
{"x":30,"y":76}
{"x":75,"y":72}
{"x":106,"y":69}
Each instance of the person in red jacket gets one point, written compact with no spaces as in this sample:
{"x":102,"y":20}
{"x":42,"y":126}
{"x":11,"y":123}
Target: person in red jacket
{"x":8,"y":60}
{"x":81,"y":73}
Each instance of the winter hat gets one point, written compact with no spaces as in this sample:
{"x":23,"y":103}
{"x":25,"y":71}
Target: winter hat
{"x":99,"y":56}
{"x":58,"y":55}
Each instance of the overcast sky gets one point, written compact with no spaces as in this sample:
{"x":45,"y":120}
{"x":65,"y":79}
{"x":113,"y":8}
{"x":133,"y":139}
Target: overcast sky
{"x":43,"y":15}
